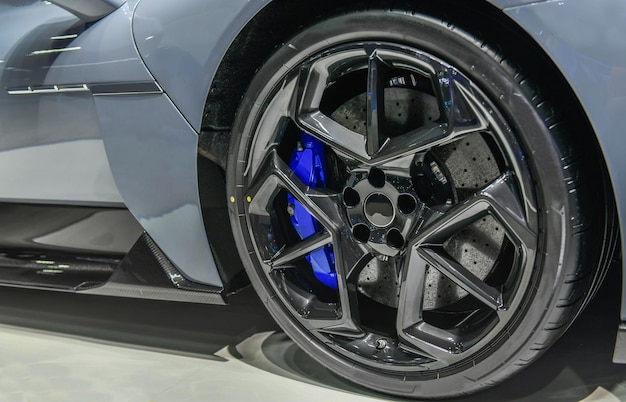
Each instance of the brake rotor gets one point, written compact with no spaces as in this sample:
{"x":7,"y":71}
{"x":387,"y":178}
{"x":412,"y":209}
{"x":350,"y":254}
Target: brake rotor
{"x":470,"y":163}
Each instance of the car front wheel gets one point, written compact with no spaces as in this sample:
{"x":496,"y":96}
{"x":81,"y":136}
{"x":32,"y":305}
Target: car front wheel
{"x":402,"y":200}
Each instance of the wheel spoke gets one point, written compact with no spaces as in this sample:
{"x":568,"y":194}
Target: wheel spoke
{"x":460,"y":275}
{"x":498,"y":198}
{"x":323,"y":205}
{"x":345,"y":326}
{"x":375,"y":103}
{"x":507,"y":206}
{"x":441,"y":345}
{"x":311,"y":82}
{"x":411,"y":298}
{"x":442,"y":226}
{"x":341,"y":139}
{"x":414,"y":333}
{"x":463,"y":115}
{"x":300,"y":249}
{"x":350,"y":258}
{"x":305,"y":108}
{"x":410,"y":143}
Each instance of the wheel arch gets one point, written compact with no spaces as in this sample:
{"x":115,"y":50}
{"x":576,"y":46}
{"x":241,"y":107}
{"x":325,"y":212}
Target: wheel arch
{"x":271,"y":77}
{"x":278,"y":20}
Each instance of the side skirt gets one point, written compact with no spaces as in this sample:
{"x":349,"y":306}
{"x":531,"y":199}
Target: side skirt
{"x":91,"y":250}
{"x":146,"y":273}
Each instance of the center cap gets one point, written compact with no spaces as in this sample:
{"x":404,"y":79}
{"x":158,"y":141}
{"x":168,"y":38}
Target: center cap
{"x":379,"y":210}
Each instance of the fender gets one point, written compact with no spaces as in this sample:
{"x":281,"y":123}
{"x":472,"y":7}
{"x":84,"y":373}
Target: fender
{"x":97,"y":67}
{"x":588,"y":65}
{"x":182,"y":43}
{"x":594,"y":64}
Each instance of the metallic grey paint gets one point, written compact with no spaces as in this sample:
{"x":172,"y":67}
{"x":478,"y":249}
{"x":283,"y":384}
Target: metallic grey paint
{"x":43,"y":137}
{"x":52,"y":133}
{"x":594,"y":63}
{"x":152,"y":151}
{"x":586,"y":57}
{"x":107,"y":54}
{"x":184,"y":61}
{"x":89,"y":10}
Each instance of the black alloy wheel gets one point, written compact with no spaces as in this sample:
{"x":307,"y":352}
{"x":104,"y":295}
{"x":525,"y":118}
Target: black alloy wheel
{"x":400,"y":199}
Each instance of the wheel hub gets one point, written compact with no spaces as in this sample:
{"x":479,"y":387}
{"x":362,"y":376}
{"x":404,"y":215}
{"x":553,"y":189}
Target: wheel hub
{"x":382,"y":209}
{"x":379,"y":210}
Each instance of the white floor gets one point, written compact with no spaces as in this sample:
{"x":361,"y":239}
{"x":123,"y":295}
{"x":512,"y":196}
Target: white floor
{"x":42,"y":367}
{"x":37,"y":366}
{"x":59,"y":347}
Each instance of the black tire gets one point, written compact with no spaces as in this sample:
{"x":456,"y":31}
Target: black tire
{"x":472,"y":194}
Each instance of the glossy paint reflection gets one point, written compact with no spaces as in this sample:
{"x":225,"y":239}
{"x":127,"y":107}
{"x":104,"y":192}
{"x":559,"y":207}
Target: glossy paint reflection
{"x":44,"y":137}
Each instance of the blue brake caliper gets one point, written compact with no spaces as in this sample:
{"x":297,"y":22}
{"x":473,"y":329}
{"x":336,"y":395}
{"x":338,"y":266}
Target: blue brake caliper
{"x":307,"y":162}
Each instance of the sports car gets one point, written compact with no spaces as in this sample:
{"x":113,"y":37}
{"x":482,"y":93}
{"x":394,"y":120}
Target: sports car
{"x":423,"y":193}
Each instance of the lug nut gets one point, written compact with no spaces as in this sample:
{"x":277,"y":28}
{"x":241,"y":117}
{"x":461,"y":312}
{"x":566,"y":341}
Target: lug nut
{"x":350,"y":197}
{"x":395,"y":238}
{"x":361,"y":232}
{"x":406,"y":203}
{"x":376,"y":178}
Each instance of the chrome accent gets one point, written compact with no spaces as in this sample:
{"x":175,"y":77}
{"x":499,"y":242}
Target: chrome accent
{"x":51,"y":51}
{"x":48,"y":89}
{"x":62,"y":37}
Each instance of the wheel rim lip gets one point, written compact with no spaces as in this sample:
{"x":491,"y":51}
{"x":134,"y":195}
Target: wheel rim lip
{"x":517,"y":167}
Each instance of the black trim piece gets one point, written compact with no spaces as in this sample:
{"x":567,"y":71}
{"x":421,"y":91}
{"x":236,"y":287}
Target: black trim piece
{"x":217,"y":226}
{"x":143,"y":272}
{"x":147,"y":87}
{"x":122,"y":88}
{"x":156,"y":293}
{"x":54,"y":270}
{"x":147,"y":273}
{"x":176,"y":278}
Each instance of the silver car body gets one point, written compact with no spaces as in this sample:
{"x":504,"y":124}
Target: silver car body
{"x":111,"y":116}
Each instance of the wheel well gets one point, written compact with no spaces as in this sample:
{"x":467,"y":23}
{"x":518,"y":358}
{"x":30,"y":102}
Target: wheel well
{"x":282,"y":19}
